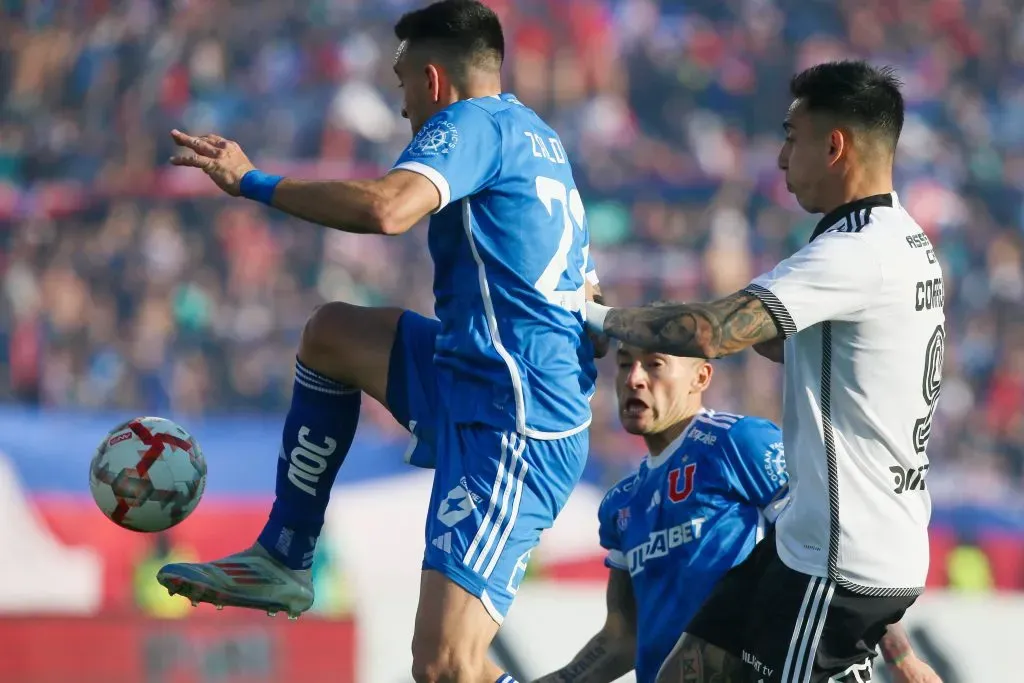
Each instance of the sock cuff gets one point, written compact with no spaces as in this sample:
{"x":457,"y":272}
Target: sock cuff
{"x":314,"y":381}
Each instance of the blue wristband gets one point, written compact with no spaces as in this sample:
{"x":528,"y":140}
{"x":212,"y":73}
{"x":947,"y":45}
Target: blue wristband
{"x":259,"y":186}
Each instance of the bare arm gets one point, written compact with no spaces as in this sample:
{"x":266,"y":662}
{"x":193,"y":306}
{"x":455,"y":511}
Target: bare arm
{"x":609,"y":654}
{"x":710,"y":330}
{"x":387,"y":206}
{"x":901,"y":658}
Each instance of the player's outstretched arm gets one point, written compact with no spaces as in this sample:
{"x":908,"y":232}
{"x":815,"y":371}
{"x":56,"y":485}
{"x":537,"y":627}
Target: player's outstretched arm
{"x":709,"y":330}
{"x":609,"y":654}
{"x":899,"y":655}
{"x":387,"y":206}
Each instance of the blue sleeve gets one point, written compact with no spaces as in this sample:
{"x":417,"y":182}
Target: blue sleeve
{"x":458,"y":150}
{"x":758,"y":460}
{"x":608,"y":530}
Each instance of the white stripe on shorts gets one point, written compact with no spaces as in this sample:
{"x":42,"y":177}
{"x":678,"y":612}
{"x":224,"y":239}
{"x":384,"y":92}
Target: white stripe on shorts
{"x":807,"y":631}
{"x":510,"y":474}
{"x":517,"y":456}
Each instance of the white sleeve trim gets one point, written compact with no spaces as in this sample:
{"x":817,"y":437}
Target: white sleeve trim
{"x":778,"y":311}
{"x":592,"y":277}
{"x":617,"y":559}
{"x":434,"y":176}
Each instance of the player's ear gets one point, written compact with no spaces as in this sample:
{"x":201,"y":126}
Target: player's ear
{"x":433,"y":75}
{"x":702,"y":379}
{"x":837,"y":143}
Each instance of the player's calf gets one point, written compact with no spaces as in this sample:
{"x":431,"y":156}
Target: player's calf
{"x":694,"y":660}
{"x":344,"y":351}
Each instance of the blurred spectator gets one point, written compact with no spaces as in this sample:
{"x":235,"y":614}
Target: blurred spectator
{"x":128,"y":285}
{"x":150,"y":597}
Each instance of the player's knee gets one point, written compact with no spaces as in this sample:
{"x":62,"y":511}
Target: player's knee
{"x":445,"y":664}
{"x":323,"y":332}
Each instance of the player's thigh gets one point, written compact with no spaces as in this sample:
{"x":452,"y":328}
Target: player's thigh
{"x":411,"y":393}
{"x":494,"y":494}
{"x":453,"y":630}
{"x":806,"y":629}
{"x":352,"y":344}
{"x":853,"y":626}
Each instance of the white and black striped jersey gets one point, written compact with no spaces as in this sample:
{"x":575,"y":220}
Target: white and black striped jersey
{"x":861,"y":309}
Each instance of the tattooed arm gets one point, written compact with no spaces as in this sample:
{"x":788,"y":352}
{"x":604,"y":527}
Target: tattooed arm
{"x":609,"y":654}
{"x":903,"y":663}
{"x":710,"y":330}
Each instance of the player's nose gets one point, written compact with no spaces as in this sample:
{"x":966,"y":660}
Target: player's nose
{"x":637,"y":378}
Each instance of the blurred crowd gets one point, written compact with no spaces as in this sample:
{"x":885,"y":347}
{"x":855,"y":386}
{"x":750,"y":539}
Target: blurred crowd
{"x":127,"y":284}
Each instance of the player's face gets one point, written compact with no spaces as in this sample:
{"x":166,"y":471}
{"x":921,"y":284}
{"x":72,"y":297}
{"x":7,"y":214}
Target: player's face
{"x":806,"y":156}
{"x":420,"y":87}
{"x":656,"y":391}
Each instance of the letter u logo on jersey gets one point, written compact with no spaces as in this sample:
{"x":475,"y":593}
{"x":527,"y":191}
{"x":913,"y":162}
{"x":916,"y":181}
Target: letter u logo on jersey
{"x":678,"y":492}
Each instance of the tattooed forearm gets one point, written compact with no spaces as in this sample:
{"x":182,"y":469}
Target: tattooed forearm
{"x":697,"y":661}
{"x":609,"y":654}
{"x":601,"y":660}
{"x":709,"y":330}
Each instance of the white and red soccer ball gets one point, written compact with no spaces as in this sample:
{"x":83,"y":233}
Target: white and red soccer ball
{"x":148,"y":474}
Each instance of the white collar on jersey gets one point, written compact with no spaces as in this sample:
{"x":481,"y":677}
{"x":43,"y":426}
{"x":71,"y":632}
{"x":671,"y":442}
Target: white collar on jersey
{"x":656,"y":461}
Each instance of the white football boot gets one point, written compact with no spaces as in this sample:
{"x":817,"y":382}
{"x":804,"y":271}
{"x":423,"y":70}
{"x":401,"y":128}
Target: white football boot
{"x":251,"y":579}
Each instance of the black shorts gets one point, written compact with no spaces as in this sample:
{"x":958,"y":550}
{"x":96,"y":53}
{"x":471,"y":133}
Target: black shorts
{"x":789,"y":627}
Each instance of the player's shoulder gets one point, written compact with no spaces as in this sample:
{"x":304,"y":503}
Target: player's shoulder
{"x":619,"y":495}
{"x":722,"y":422}
{"x":712,"y":426}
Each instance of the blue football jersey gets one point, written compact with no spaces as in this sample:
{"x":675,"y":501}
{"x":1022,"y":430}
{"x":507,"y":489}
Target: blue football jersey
{"x":686,"y":517}
{"x":510,"y":246}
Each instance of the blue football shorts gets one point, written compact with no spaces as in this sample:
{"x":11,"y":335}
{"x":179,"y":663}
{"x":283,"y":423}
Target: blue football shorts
{"x":494,"y":491}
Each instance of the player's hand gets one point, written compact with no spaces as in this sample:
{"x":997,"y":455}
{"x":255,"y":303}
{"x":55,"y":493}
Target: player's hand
{"x":913,"y":670}
{"x":223,"y":160}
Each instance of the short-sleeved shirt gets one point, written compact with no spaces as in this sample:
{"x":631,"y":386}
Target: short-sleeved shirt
{"x":861,"y":309}
{"x":511,"y":252}
{"x":687,"y":516}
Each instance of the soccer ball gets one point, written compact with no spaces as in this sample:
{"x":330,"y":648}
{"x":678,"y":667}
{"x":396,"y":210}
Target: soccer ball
{"x":148,"y":474}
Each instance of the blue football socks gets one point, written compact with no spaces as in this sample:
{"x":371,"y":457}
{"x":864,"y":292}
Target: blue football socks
{"x":318,"y":433}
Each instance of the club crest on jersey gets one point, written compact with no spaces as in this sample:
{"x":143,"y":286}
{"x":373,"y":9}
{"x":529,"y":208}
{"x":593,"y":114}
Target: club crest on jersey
{"x":434,"y":139}
{"x":678,"y":491}
{"x":622,"y":519}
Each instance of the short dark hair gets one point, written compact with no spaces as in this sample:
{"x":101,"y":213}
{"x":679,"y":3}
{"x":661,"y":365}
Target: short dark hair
{"x":466,"y":30}
{"x":855,"y":93}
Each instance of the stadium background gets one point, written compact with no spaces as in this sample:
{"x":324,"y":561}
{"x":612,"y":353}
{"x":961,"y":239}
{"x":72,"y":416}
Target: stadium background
{"x":129,"y":288}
